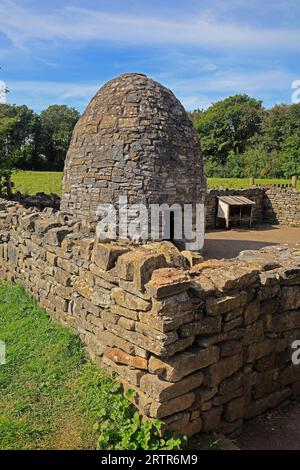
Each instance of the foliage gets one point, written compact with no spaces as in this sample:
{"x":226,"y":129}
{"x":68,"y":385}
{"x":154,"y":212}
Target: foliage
{"x":51,"y":394}
{"x":57,"y":123}
{"x":228,"y":125}
{"x":29,"y":141}
{"x":290,"y":156}
{"x":121,"y":431}
{"x":18,"y":126}
{"x":239,"y":138}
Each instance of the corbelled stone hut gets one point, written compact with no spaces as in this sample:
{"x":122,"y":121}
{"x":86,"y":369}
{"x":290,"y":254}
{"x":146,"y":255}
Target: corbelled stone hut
{"x":136,"y":140}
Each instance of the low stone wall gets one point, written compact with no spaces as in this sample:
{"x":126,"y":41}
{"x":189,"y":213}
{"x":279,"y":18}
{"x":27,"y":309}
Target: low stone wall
{"x":204,"y":346}
{"x":282,"y":206}
{"x":272,"y":205}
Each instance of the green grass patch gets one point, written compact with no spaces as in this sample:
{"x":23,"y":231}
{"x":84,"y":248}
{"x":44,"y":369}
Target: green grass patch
{"x":32,"y":182}
{"x":238,"y":183}
{"x":52,"y":396}
{"x":45,"y":403}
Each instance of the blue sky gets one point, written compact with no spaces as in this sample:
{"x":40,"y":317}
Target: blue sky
{"x":62,"y":51}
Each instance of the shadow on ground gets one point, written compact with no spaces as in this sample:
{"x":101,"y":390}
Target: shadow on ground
{"x":221,"y":248}
{"x":276,"y":430}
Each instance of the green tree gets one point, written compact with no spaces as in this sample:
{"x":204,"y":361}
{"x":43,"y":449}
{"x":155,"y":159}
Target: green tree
{"x":279,"y":123}
{"x":290,"y":156}
{"x":228,"y":125}
{"x":57,"y":123}
{"x":18,"y":126}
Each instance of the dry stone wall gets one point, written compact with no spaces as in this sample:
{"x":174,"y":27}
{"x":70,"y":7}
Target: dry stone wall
{"x":282,"y":206}
{"x":204,"y":345}
{"x":272,"y":205}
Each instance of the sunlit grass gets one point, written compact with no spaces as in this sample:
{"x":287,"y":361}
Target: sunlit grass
{"x":32,"y":182}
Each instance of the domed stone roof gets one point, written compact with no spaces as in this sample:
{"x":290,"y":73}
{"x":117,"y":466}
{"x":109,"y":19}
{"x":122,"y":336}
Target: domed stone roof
{"x":136,"y":140}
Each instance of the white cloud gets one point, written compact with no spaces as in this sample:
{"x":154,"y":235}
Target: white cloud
{"x":21,"y":25}
{"x":196,"y":92}
{"x":234,"y":81}
{"x":38,"y":95}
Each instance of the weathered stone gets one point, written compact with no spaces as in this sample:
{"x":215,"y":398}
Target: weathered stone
{"x":207,"y":325}
{"x":289,"y":375}
{"x":212,"y":419}
{"x":222,"y":369}
{"x":254,"y":333}
{"x":164,"y":338}
{"x":124,"y":299}
{"x":230,"y":325}
{"x":105,"y":255}
{"x":138,"y":266}
{"x":290,"y":299}
{"x":173,"y":306}
{"x":120,"y":357}
{"x":252,"y":312}
{"x":125,"y":312}
{"x":259,"y":406}
{"x":183,"y":364}
{"x":266,"y":383}
{"x":178,"y":423}
{"x":166,"y":282}
{"x":219,"y":338}
{"x":192,"y":257}
{"x":225,"y":398}
{"x":234,"y":409}
{"x":218,"y":306}
{"x":164,"y":323}
{"x":174,"y":405}
{"x":55,"y":236}
{"x":133,"y":376}
{"x":230,"y":348}
{"x":258,"y":350}
{"x":164,"y":391}
{"x":126,"y":323}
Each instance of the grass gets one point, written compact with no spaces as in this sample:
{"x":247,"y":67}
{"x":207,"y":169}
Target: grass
{"x":32,"y":182}
{"x":237,"y":183}
{"x":51,"y":395}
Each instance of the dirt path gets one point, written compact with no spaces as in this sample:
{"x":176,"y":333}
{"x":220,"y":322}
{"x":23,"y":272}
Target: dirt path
{"x":275,"y":430}
{"x":228,"y":244}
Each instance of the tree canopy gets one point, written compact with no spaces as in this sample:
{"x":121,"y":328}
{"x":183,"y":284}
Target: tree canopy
{"x":30,"y":141}
{"x":57,"y":123}
{"x":240,"y":138}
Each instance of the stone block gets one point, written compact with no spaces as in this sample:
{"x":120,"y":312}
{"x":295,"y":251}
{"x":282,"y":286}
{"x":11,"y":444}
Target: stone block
{"x":124,"y":299}
{"x":163,"y":391}
{"x":290,"y":299}
{"x":212,"y":419}
{"x":223,"y":369}
{"x":184,"y":363}
{"x":222,"y":305}
{"x":234,"y":410}
{"x":206,"y":326}
{"x":120,"y":357}
{"x":105,"y":255}
{"x":166,"y":282}
{"x":174,"y":405}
